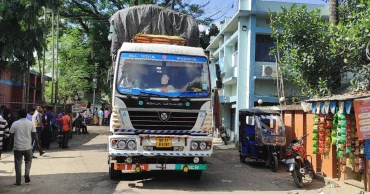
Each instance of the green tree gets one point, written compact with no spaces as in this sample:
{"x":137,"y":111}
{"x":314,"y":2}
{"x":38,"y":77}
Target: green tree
{"x":21,"y":34}
{"x":303,"y":40}
{"x":75,"y":70}
{"x":349,"y":45}
{"x":316,"y":53}
{"x":205,"y":37}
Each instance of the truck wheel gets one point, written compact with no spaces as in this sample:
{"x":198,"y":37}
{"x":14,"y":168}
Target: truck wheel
{"x":114,"y":174}
{"x":194,"y":174}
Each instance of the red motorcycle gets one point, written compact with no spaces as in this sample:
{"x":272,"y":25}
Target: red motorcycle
{"x":298,"y":164}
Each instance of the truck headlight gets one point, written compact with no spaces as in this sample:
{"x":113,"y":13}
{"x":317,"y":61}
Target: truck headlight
{"x":121,"y":144}
{"x":131,"y":145}
{"x":194,"y":145}
{"x":200,"y":145}
{"x":203,"y":145}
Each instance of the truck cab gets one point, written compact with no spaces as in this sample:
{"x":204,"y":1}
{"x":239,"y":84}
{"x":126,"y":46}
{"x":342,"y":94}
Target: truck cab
{"x":162,"y":115}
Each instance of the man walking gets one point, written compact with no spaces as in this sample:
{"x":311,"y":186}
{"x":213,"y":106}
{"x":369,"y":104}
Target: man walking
{"x":37,"y":122}
{"x":100,"y":114}
{"x":67,"y":125}
{"x":23,"y":131}
{"x":4,"y":132}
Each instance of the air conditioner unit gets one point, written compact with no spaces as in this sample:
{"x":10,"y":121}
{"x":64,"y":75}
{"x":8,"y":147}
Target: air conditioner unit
{"x":269,"y":71}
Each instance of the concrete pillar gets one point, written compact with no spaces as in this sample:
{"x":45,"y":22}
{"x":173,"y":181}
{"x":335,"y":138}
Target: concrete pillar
{"x":246,"y":65}
{"x":212,"y":71}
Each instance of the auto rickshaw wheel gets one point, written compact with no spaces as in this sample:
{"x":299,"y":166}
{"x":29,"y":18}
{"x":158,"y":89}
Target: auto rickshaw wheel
{"x":242,"y":158}
{"x":274,"y":163}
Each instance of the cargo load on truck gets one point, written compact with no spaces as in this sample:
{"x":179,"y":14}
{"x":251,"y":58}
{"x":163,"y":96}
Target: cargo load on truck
{"x":154,"y":20}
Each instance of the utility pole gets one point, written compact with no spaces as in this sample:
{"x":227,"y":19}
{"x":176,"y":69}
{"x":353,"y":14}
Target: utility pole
{"x":52,"y":42}
{"x":94,"y":86}
{"x":43,"y":63}
{"x":27,"y":87}
{"x":57,"y":67}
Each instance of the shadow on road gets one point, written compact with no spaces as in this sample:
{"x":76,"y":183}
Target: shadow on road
{"x":135,"y":183}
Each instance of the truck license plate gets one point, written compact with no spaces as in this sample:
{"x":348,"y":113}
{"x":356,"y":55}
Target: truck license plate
{"x":164,"y":142}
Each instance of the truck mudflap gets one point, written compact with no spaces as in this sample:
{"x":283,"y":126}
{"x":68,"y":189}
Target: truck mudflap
{"x":151,"y":167}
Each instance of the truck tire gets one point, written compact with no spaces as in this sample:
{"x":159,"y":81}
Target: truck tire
{"x":194,"y":174}
{"x":114,"y":174}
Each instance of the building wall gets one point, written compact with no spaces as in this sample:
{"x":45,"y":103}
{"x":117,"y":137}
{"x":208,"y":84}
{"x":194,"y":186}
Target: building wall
{"x":297,"y":123}
{"x":13,"y":94}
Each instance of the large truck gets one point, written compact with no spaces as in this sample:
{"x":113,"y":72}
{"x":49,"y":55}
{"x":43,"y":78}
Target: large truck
{"x":161,"y":95}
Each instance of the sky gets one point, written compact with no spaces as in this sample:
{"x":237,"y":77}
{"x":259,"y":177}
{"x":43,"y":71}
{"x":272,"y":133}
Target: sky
{"x":228,"y":10}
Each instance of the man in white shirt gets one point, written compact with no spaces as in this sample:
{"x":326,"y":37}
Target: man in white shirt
{"x":23,"y":131}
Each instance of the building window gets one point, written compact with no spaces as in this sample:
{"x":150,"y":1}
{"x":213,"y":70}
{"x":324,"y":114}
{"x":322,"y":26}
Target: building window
{"x":263,"y":47}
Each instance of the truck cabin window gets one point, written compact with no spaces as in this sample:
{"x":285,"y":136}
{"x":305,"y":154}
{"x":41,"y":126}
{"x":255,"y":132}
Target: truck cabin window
{"x":148,"y":77}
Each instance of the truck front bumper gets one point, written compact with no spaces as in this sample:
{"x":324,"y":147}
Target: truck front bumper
{"x":146,"y":145}
{"x":152,"y":167}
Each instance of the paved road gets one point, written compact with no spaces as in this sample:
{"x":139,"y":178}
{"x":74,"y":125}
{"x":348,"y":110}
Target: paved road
{"x":83,"y":169}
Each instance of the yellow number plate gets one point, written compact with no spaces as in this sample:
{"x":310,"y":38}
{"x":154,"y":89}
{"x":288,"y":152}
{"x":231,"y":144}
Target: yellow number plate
{"x":164,"y":143}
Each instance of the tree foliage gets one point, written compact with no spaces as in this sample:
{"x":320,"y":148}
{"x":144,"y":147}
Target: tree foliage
{"x":315,"y":53}
{"x":349,"y":43}
{"x":303,"y":40}
{"x":75,"y":70}
{"x":206,"y":37}
{"x":21,"y":34}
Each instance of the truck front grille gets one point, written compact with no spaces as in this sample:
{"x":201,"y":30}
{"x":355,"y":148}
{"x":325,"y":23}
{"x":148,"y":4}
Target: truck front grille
{"x":152,"y":120}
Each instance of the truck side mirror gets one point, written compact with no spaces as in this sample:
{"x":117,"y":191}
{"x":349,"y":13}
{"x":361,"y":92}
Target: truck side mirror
{"x":218,"y":72}
{"x":218,"y":84}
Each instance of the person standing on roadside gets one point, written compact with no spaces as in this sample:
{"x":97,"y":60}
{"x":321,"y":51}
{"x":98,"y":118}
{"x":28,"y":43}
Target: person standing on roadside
{"x":47,"y":120}
{"x":67,"y":125}
{"x":60,"y":124}
{"x":23,"y":131}
{"x":101,"y":115}
{"x":4,"y":132}
{"x":37,"y":122}
{"x":106,"y":116}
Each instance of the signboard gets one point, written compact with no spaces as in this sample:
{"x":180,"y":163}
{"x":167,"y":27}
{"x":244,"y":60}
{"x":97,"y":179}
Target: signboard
{"x":367,"y":148}
{"x":76,"y":108}
{"x":362,"y":112}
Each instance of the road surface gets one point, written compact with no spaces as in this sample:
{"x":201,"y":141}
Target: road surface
{"x":84,"y":169}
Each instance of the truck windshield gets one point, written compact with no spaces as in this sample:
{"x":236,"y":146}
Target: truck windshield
{"x":162,"y":75}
